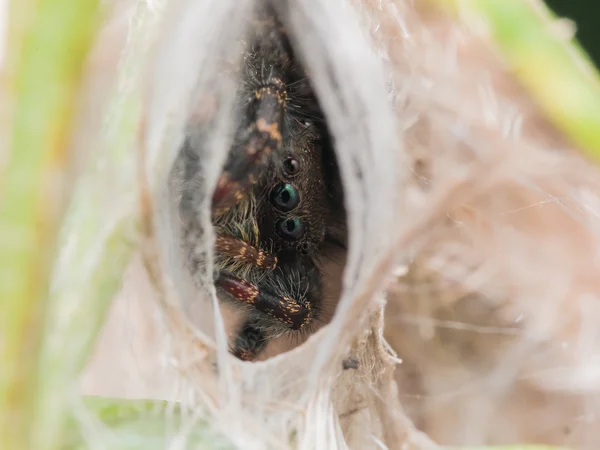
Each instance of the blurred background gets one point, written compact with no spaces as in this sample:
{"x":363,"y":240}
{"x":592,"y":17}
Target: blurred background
{"x":586,"y":14}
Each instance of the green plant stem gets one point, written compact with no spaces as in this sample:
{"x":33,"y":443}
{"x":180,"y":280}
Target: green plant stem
{"x":98,"y":239}
{"x":556,"y":72}
{"x":48,"y":43}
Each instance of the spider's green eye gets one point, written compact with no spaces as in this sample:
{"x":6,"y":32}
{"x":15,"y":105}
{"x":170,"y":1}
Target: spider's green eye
{"x":290,"y":229}
{"x":285,"y":197}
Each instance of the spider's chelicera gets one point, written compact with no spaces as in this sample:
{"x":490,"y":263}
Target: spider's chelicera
{"x":278,"y":200}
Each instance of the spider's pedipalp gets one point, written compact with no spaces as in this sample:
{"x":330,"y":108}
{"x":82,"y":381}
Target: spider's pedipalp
{"x":241,"y":251}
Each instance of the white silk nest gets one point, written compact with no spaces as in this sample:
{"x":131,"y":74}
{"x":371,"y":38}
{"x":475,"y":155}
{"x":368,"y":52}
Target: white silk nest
{"x":469,"y":296}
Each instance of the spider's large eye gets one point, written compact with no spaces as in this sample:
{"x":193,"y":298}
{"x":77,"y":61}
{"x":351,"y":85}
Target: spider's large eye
{"x":285,"y":197}
{"x":290,"y":229}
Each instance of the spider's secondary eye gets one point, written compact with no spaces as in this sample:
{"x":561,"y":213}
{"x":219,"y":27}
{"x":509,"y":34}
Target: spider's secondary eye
{"x":290,"y":229}
{"x":291,"y":166}
{"x":285,"y":197}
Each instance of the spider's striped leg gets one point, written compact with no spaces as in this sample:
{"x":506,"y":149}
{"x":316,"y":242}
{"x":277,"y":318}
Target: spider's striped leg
{"x":250,"y":155}
{"x":288,"y":311}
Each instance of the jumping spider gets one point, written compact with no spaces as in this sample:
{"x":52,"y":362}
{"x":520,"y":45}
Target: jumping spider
{"x":278,"y":200}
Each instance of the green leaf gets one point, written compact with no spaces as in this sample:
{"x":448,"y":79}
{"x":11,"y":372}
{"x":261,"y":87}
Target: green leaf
{"x":510,"y":447}
{"x":49,"y":42}
{"x":139,"y":424}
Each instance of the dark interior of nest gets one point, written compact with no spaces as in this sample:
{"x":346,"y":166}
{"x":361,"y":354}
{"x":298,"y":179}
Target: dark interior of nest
{"x":278,"y":207}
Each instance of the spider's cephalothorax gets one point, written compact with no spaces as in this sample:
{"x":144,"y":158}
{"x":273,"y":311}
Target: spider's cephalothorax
{"x":278,"y":199}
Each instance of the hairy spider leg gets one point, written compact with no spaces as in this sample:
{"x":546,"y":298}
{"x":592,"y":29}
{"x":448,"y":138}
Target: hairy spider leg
{"x":252,"y":339}
{"x":285,"y":309}
{"x":240,"y":250}
{"x":248,"y":159}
